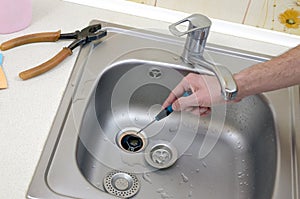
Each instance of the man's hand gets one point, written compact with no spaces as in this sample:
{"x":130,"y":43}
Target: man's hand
{"x":206,"y":92}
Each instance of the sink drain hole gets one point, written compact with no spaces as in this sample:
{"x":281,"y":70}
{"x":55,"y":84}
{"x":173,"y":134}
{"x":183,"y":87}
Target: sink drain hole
{"x":132,"y":143}
{"x":129,"y":141}
{"x":121,"y":184}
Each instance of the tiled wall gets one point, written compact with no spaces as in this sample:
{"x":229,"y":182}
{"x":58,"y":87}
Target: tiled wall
{"x":279,"y":15}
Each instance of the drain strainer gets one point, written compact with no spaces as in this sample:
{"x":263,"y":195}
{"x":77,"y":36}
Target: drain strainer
{"x":121,"y":184}
{"x":161,"y":155}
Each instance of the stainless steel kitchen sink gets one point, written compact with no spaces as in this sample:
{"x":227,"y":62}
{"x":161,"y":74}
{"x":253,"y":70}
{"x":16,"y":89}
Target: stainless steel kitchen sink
{"x":241,"y":150}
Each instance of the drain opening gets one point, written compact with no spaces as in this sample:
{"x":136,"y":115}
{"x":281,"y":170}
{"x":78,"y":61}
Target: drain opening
{"x":129,"y":141}
{"x":132,"y":143}
{"x":121,"y":184}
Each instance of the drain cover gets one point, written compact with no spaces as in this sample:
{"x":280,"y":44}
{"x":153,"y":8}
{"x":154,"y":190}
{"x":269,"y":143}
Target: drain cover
{"x":161,"y":155}
{"x":121,"y":184}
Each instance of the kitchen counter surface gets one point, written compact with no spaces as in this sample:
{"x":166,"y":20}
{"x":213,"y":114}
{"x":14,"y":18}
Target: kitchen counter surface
{"x":28,"y":108}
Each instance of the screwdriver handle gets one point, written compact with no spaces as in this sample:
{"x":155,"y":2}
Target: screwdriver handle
{"x":168,"y":110}
{"x":164,"y":113}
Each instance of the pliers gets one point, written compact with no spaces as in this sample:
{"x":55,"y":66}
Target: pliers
{"x":82,"y":37}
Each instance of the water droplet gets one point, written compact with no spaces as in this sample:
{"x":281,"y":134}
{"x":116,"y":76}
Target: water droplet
{"x":240,"y":174}
{"x":190,"y":194}
{"x":163,"y":194}
{"x":173,"y":129}
{"x":197,"y":170}
{"x":184,"y":178}
{"x":160,"y":190}
{"x":146,"y":177}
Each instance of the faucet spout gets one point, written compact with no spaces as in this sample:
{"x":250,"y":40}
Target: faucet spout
{"x":228,"y":86}
{"x":197,"y":34}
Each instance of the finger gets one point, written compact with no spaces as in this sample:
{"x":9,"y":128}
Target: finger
{"x":207,"y":112}
{"x":200,"y":111}
{"x":170,"y":99}
{"x":176,"y":93}
{"x":185,"y":102}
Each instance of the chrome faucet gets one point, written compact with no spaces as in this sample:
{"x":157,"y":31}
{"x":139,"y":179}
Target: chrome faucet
{"x":197,"y":34}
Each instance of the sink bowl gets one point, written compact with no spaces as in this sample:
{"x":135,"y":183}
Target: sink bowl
{"x":240,"y":150}
{"x":242,"y":163}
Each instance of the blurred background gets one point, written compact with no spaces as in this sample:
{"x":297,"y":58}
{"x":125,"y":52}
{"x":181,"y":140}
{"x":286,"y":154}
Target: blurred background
{"x":278,"y":15}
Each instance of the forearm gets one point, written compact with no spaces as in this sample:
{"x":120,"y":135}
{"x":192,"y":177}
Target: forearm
{"x":280,"y":72}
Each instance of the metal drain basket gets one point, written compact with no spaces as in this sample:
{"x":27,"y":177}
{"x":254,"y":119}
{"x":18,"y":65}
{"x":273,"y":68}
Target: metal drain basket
{"x":161,"y":155}
{"x":121,"y":184}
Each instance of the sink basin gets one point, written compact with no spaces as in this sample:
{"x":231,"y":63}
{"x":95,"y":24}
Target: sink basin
{"x":242,"y":164}
{"x":240,"y":150}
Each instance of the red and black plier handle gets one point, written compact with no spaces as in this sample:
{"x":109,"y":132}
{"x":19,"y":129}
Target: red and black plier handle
{"x":86,"y":35}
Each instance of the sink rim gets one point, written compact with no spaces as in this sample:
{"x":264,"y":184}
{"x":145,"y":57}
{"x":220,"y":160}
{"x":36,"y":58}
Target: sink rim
{"x":60,"y":119}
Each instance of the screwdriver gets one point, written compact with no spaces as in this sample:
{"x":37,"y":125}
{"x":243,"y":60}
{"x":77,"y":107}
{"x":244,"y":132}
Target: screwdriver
{"x":164,"y":113}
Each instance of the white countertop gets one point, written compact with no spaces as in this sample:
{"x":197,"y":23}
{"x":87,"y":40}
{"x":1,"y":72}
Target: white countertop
{"x":28,"y":108}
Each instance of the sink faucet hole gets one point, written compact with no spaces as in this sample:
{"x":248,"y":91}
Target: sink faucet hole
{"x":155,"y":73}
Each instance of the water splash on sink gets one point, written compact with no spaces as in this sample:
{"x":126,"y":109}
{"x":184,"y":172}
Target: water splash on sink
{"x":204,"y":164}
{"x":173,"y":129}
{"x":146,"y":177}
{"x":185,"y":179}
{"x":163,"y":194}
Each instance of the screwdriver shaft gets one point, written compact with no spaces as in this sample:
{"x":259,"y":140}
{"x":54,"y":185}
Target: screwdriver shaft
{"x":164,"y":113}
{"x":146,"y":126}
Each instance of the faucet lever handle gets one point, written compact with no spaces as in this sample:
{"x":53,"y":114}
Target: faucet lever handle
{"x":197,"y":34}
{"x":196,"y":22}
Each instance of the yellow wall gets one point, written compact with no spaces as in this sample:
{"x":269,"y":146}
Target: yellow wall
{"x":279,"y":15}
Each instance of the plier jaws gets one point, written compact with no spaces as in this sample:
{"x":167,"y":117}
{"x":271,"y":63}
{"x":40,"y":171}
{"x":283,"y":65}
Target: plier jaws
{"x":86,"y":35}
{"x":81,"y":38}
